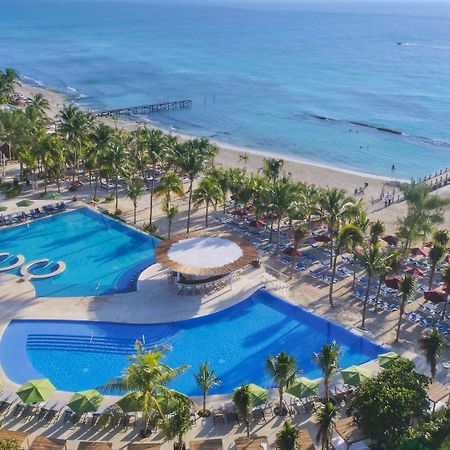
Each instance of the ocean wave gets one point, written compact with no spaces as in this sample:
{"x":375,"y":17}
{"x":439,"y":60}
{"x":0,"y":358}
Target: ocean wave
{"x":33,"y":80}
{"x":413,"y":44}
{"x":71,"y":89}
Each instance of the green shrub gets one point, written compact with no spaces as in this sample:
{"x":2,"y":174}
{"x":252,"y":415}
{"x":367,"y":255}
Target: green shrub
{"x":150,"y":229}
{"x":10,"y":444}
{"x":113,"y":215}
{"x":72,"y":188}
{"x":3,"y":208}
{"x":12,"y":192}
{"x":24,"y":203}
{"x":109,"y":198}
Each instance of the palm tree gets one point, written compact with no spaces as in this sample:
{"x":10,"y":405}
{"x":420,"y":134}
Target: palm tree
{"x":157,"y":145}
{"x":206,"y":379}
{"x":147,"y":378}
{"x":208,"y":193}
{"x":178,"y":423}
{"x":117,"y":158}
{"x":170,"y":211}
{"x":244,"y":158}
{"x":8,"y":80}
{"x":222,"y":178}
{"x":100,"y":138}
{"x":75,"y":127}
{"x":407,"y":289}
{"x":243,"y":402}
{"x":191,"y":161}
{"x":169,"y":184}
{"x":377,"y":229}
{"x":327,"y":360}
{"x":287,"y":437}
{"x":135,"y":187}
{"x":335,"y":208}
{"x":371,"y":263}
{"x":445,"y":277}
{"x":432,"y":343}
{"x":425,"y":211}
{"x":281,"y":195}
{"x":435,"y":256}
{"x":283,"y":370}
{"x":441,"y":237}
{"x":272,"y":168}
{"x":384,"y":267}
{"x":347,"y":238}
{"x":325,"y":416}
{"x":298,"y":233}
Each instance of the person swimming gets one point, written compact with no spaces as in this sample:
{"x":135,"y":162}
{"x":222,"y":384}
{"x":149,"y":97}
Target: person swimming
{"x":393,"y":167}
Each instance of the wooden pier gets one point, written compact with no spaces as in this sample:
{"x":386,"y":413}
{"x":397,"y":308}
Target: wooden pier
{"x":146,"y":109}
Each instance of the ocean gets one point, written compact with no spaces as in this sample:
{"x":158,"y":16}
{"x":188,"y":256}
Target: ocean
{"x":261,"y":75}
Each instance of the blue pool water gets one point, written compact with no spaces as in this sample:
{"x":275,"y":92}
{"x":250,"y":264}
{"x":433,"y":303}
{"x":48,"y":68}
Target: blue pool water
{"x":235,"y":342}
{"x":257,"y":71}
{"x":102,"y":255}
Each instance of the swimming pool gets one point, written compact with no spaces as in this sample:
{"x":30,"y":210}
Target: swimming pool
{"x":235,"y":342}
{"x":102,"y":255}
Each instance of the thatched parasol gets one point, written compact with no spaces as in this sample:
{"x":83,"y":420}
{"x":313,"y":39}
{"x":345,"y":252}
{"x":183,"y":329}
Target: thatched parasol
{"x":162,"y":253}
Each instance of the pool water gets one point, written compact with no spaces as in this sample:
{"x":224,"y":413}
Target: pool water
{"x":102,"y":255}
{"x":235,"y":342}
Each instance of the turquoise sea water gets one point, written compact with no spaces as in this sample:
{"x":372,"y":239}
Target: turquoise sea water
{"x":235,"y":342}
{"x":102,"y":256}
{"x":257,"y":74}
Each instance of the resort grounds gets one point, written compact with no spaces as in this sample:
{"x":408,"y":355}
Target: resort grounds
{"x":18,"y":300}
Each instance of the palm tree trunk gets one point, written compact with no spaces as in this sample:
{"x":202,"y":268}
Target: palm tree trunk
{"x":204,"y":401}
{"x":380,"y":280}
{"x":366,"y":298}
{"x":96,"y":185}
{"x":151,"y":195}
{"x":271,"y":228}
{"x":135,"y":208}
{"x":280,"y":393}
{"x":247,"y":426}
{"x":354,"y":272}
{"x":189,"y":206}
{"x":206,"y":215}
{"x":402,"y":310}
{"x":444,"y":311}
{"x":169,"y":226}
{"x":117,"y":191}
{"x":333,"y":275}
{"x":433,"y":269}
{"x":278,"y":231}
{"x":327,"y":393}
{"x":293,"y":259}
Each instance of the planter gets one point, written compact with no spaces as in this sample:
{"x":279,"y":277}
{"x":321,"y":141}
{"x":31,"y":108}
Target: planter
{"x":176,"y":446}
{"x":256,"y":263}
{"x":207,"y":413}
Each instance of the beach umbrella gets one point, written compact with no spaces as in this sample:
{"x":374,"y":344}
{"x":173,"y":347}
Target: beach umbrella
{"x":85,"y":401}
{"x":36,"y":391}
{"x":385,"y":359}
{"x":355,"y":375}
{"x":258,"y":394}
{"x":304,"y":387}
{"x":392,"y":282}
{"x":415,"y":271}
{"x":131,"y":402}
{"x":290,"y":251}
{"x":416,"y":251}
{"x":437,"y":295}
{"x":391,"y":240}
{"x":257,"y":224}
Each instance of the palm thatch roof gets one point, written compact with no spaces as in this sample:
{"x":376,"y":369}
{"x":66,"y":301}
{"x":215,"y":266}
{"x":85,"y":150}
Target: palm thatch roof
{"x":249,"y":253}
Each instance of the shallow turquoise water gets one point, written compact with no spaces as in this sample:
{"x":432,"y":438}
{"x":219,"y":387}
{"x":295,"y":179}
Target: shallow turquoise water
{"x":235,"y":342}
{"x":102,"y":256}
{"x":256,"y":73}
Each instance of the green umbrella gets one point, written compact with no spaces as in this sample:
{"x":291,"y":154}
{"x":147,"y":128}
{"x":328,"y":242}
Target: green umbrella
{"x":130,"y":402}
{"x":355,"y":375}
{"x":385,"y":359}
{"x":85,"y":401}
{"x":51,"y":196}
{"x":303,"y":387}
{"x":24,"y":203}
{"x":36,"y":391}
{"x":258,"y":394}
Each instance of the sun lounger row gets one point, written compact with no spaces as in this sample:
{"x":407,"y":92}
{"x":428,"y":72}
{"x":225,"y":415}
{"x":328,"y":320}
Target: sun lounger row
{"x":35,"y":213}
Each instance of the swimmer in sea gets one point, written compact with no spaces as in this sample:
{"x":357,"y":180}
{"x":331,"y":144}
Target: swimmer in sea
{"x":393,"y":167}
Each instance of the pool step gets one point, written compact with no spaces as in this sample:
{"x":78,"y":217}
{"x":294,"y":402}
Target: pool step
{"x":86,"y":343}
